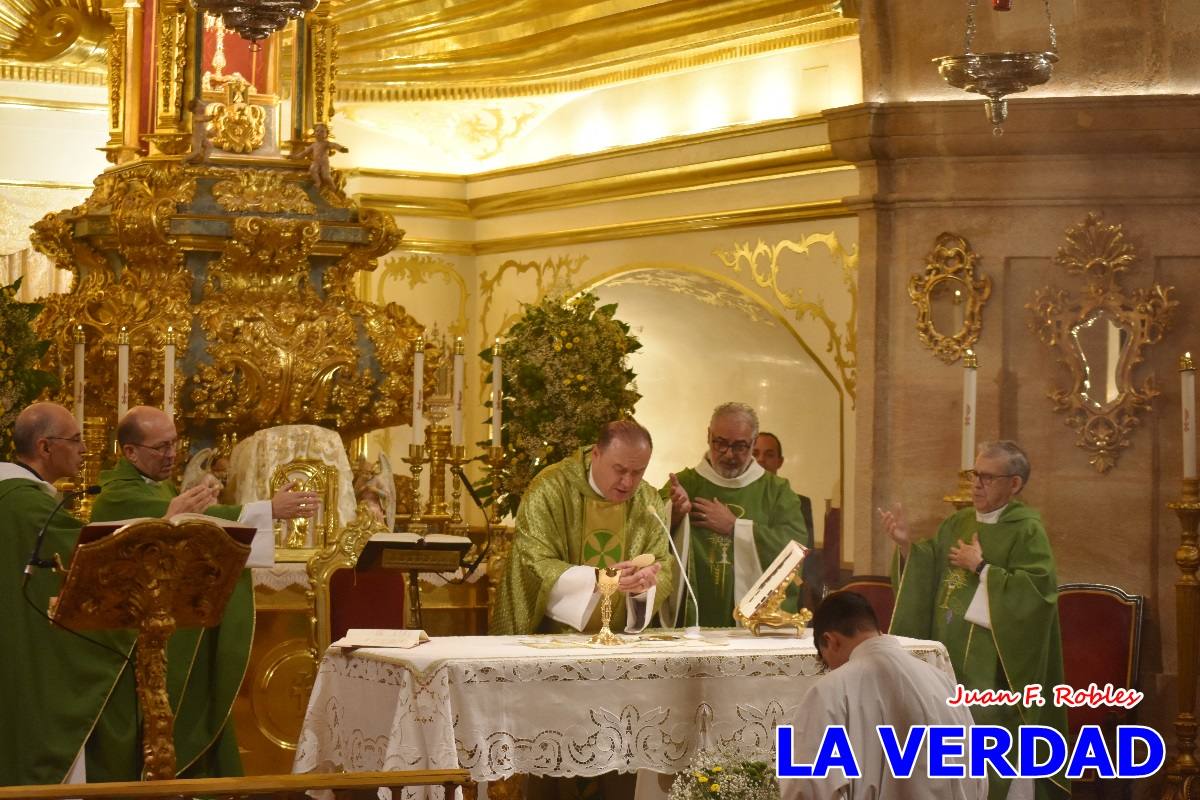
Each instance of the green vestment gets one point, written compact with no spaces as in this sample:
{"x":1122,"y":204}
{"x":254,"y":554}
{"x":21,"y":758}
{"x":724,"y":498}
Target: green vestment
{"x":205,"y":666}
{"x":1023,"y":647}
{"x":53,"y":685}
{"x":562,"y":522}
{"x":769,"y":502}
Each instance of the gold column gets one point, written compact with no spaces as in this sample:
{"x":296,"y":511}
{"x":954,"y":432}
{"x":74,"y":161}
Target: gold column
{"x":1183,"y":772}
{"x":171,"y":64}
{"x":117,"y":67}
{"x":322,"y":37}
{"x":132,"y":117}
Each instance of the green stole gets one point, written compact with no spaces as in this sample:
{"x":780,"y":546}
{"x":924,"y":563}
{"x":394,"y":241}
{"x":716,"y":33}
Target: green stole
{"x":53,"y":685}
{"x":1024,"y":645}
{"x":603,"y":545}
{"x":205,"y":666}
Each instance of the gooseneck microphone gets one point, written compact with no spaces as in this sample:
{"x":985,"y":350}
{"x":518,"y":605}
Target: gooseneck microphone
{"x":35,"y":558}
{"x":692,"y":631}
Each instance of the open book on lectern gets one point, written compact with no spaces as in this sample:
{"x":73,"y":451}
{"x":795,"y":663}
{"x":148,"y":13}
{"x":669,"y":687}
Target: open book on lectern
{"x":781,"y":572}
{"x":260,"y":554}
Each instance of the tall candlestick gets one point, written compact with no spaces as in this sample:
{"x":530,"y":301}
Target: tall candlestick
{"x":80,"y":342}
{"x":497,"y":394}
{"x":970,"y":367}
{"x":122,"y":372}
{"x":1187,"y":376}
{"x":456,"y":416}
{"x":418,"y":395}
{"x":169,"y":374}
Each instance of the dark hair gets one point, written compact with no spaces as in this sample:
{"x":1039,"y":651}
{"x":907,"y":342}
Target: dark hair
{"x":129,"y":430}
{"x":1018,"y":462}
{"x":778,"y":444}
{"x":627,"y":430}
{"x":846,"y":613}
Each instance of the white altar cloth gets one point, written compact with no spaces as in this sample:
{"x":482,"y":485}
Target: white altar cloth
{"x":499,"y":705}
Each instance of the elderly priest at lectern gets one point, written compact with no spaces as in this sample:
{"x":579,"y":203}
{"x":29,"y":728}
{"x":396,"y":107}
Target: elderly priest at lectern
{"x":590,"y":511}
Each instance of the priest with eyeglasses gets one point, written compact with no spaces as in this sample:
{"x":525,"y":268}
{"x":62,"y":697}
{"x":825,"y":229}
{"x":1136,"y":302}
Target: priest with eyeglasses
{"x":730,"y":518}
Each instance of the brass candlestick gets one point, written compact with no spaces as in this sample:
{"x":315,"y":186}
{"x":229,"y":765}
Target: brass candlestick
{"x":437,"y":446}
{"x":95,"y":438}
{"x":607,"y":581}
{"x":416,"y":461}
{"x":458,"y":457}
{"x":1182,"y":775}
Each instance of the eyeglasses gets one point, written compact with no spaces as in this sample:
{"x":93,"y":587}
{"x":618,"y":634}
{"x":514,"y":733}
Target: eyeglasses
{"x":162,"y":449}
{"x":76,"y":440}
{"x":721,"y":445}
{"x":985,"y":478}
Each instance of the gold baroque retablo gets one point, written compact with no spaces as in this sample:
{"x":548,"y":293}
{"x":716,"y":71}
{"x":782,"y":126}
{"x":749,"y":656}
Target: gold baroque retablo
{"x":261,"y":190}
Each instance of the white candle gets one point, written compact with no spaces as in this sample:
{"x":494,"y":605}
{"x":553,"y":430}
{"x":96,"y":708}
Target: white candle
{"x":497,"y":413}
{"x":456,"y":416}
{"x":169,"y":374}
{"x":418,"y":394}
{"x":1187,"y":376}
{"x":79,"y":348}
{"x":122,"y":372}
{"x":970,"y":367}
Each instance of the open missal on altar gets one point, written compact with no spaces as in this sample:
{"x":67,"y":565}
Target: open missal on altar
{"x":381,"y":637}
{"x":779,"y":573}
{"x":262,"y":543}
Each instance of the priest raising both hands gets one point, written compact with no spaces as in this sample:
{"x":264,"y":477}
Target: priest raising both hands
{"x":590,"y":511}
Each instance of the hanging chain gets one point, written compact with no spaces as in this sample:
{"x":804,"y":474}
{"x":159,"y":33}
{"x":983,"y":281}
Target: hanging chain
{"x":1053,"y":35}
{"x":971,"y":24}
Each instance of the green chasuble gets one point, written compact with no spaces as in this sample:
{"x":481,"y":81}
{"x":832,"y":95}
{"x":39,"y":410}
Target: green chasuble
{"x":53,"y":685}
{"x":562,"y":522}
{"x":719,"y":575}
{"x":205,"y":666}
{"x":1023,"y":647}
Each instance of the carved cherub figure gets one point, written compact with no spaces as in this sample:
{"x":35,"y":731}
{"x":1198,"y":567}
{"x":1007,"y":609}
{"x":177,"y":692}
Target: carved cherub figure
{"x":319,"y":151}
{"x":201,"y":145}
{"x":374,"y":487}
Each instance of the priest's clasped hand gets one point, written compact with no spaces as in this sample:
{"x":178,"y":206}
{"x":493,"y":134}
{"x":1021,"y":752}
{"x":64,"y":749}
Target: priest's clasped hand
{"x":193,"y":501}
{"x":289,"y":504}
{"x":635,"y":580}
{"x":967,"y":555}
{"x":714,"y":515}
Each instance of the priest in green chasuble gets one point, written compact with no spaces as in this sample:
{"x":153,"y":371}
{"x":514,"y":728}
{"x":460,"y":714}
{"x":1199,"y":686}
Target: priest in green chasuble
{"x":205,"y":667}
{"x":985,"y":586}
{"x":730,"y":519}
{"x":53,"y":685}
{"x":589,"y":511}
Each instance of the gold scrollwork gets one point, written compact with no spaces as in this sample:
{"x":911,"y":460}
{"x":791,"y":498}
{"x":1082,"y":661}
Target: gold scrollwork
{"x":762,"y":260}
{"x":261,"y":190}
{"x":551,"y":275}
{"x":949,"y":298}
{"x":63,"y":32}
{"x":1100,"y":336}
{"x":237,"y":126}
{"x":416,"y":269}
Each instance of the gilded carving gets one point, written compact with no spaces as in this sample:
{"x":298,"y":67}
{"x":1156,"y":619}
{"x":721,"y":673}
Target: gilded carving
{"x":64,"y":33}
{"x":417,"y":270}
{"x":116,"y":82}
{"x":553,"y":274}
{"x":949,"y":298}
{"x":1100,"y":335}
{"x":261,"y":190}
{"x":237,"y":126}
{"x":763,"y":263}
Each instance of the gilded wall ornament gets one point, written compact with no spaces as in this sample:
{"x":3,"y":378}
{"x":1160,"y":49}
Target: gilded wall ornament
{"x":261,"y":190}
{"x":949,"y":298}
{"x":1100,"y":335}
{"x":763,"y":262}
{"x":416,"y":270}
{"x":551,"y":275}
{"x":238,"y":126}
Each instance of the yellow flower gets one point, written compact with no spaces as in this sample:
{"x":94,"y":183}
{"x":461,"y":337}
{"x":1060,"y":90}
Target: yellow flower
{"x":716,"y":787}
{"x":700,"y":776}
{"x":717,"y":768}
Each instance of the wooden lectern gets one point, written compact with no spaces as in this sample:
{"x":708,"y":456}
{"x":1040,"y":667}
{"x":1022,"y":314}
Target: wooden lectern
{"x":153,"y":576}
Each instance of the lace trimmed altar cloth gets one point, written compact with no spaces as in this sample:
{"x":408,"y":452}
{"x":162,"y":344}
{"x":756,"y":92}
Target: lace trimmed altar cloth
{"x":552,"y":705}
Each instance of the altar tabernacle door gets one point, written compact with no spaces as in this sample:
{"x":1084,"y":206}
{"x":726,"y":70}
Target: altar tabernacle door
{"x":153,"y":576}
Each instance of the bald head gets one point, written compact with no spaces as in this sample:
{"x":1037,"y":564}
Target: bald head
{"x":47,"y":438}
{"x":147,"y":437}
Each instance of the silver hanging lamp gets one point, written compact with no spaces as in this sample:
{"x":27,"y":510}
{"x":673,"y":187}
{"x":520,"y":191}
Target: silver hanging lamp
{"x":997,"y":75}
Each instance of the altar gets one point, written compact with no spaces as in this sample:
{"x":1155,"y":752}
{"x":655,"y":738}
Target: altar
{"x":553,"y":705}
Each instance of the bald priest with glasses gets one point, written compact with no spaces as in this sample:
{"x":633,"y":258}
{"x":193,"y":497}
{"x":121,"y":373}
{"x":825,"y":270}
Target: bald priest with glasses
{"x":730,"y":518}
{"x":985,"y":586}
{"x":205,"y":667}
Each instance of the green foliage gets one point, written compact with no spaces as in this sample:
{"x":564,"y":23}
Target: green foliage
{"x":725,"y":773}
{"x":565,"y":374}
{"x":21,"y":382}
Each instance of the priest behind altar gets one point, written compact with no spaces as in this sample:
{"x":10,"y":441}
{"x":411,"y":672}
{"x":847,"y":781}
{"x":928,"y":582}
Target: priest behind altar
{"x":588,"y":511}
{"x":205,"y":666}
{"x":52,"y":685}
{"x":730,"y":519}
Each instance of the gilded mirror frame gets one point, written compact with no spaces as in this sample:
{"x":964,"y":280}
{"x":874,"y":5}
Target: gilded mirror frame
{"x":1099,"y":253}
{"x":951,"y":259}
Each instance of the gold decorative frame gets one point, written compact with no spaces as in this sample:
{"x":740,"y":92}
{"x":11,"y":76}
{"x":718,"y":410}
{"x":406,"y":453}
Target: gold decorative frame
{"x":308,"y":476}
{"x":950,"y":260}
{"x":1099,"y":253}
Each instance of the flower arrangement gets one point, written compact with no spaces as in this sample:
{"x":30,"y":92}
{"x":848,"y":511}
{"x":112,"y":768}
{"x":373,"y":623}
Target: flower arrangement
{"x":21,"y":382}
{"x":724,"y":772}
{"x":566,"y":374}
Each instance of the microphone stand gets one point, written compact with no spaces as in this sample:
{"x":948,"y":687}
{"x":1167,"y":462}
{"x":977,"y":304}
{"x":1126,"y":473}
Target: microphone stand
{"x":469,"y":570}
{"x":35,"y":558}
{"x":692,"y":631}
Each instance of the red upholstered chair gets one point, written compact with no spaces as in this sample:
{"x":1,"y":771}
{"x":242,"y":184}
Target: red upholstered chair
{"x":831,"y":548}
{"x":1102,"y":640}
{"x":878,"y":591}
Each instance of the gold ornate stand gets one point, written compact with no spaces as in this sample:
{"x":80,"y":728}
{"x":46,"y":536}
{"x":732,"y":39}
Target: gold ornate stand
{"x":962,"y":495}
{"x":1184,"y":774}
{"x":770,"y":614}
